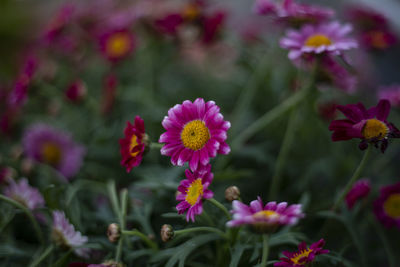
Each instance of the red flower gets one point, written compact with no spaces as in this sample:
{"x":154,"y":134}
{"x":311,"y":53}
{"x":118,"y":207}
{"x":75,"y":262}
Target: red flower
{"x":133,"y":145}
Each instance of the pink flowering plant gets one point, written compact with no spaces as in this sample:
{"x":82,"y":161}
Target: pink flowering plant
{"x":196,"y":133}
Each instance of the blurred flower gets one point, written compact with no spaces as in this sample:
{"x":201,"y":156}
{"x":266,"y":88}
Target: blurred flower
{"x":59,"y":21}
{"x":264,"y":219}
{"x":133,"y":144}
{"x":378,"y":39}
{"x":193,"y":190}
{"x":169,"y":24}
{"x":25,"y":194}
{"x":56,"y":148}
{"x":117,"y":44}
{"x":368,"y":125}
{"x":264,"y":7}
{"x":65,"y":236}
{"x":391,"y":93}
{"x":316,"y":39}
{"x":359,"y":190}
{"x":76,"y":91}
{"x":167,"y":232}
{"x":327,"y":110}
{"x":195,"y":132}
{"x":7,"y":174}
{"x":303,"y":256}
{"x":387,"y":206}
{"x":108,"y":93}
{"x":212,"y":25}
{"x":332,"y":72}
{"x":366,"y":19}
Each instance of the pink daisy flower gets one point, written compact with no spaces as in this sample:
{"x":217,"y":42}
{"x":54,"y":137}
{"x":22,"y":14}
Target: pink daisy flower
{"x":264,"y":7}
{"x":370,"y":125}
{"x":23,"y":193}
{"x":117,"y":44}
{"x":264,"y":219}
{"x":133,"y":145}
{"x":391,"y":93}
{"x":195,"y":133}
{"x":317,"y":39}
{"x":359,"y":190}
{"x":193,"y":190}
{"x":387,"y":206}
{"x":65,"y":235}
{"x":303,"y":256}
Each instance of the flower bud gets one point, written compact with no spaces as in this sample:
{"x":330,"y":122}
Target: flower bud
{"x":167,"y":233}
{"x":113,"y":232}
{"x":232,"y":193}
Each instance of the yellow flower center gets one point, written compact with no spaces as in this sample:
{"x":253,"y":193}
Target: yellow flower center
{"x":118,"y":44}
{"x":374,"y":128}
{"x":298,"y":256}
{"x":392,"y":206}
{"x":265,"y":214}
{"x":59,"y":239}
{"x":191,"y":12}
{"x":378,"y":40}
{"x":194,"y":191}
{"x":51,"y":153}
{"x":195,"y":135}
{"x":132,"y":145}
{"x":317,"y":40}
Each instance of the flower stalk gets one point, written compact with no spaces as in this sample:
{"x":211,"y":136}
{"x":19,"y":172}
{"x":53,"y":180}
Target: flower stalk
{"x":265,"y":251}
{"x":221,"y":207}
{"x":142,"y":236}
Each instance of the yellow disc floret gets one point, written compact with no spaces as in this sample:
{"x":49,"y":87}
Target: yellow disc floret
{"x":195,"y":135}
{"x":132,"y":145}
{"x":318,"y":40}
{"x":51,"y":153}
{"x":374,"y":128}
{"x":118,"y":45}
{"x":298,"y":256}
{"x":266,"y":214}
{"x":392,"y":206}
{"x":194,"y":191}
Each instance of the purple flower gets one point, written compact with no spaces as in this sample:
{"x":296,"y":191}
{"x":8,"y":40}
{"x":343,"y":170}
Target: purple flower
{"x":193,"y":190}
{"x":264,"y":7}
{"x":195,"y":133}
{"x":303,"y":256}
{"x":23,"y":193}
{"x":369,"y":125}
{"x":378,"y":39}
{"x":266,"y":218}
{"x":359,"y":190}
{"x":117,"y":44}
{"x":317,"y":39}
{"x":65,"y":236}
{"x":391,"y":93}
{"x":54,"y":147}
{"x":387,"y":206}
{"x":366,"y":19}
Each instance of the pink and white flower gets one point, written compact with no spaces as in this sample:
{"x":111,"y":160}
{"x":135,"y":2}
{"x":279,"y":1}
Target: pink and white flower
{"x":25,"y":194}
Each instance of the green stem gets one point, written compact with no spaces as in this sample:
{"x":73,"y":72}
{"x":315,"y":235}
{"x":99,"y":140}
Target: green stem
{"x":200,"y":229}
{"x":42,"y":257}
{"x":221,"y":207}
{"x":265,"y":251}
{"x":283,"y":153}
{"x":142,"y":236}
{"x":113,"y":198}
{"x":28,"y":213}
{"x":124,"y":203}
{"x":156,"y":145}
{"x":354,"y":178}
{"x":385,"y":241}
{"x":268,"y":117}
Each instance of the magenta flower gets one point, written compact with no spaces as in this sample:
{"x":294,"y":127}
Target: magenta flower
{"x":117,"y":44}
{"x":303,"y":256}
{"x":64,"y":235}
{"x":265,"y":219}
{"x":317,"y":39}
{"x":368,"y":125}
{"x":169,"y":24}
{"x":378,"y":39}
{"x":387,"y":206}
{"x":193,"y":190}
{"x":195,"y":133}
{"x":264,"y":7}
{"x":359,"y":190}
{"x":212,"y":25}
{"x":76,"y":91}
{"x":391,"y":93}
{"x":331,"y":72}
{"x":54,"y":147}
{"x":366,"y":19}
{"x":133,"y":144}
{"x":25,"y":194}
